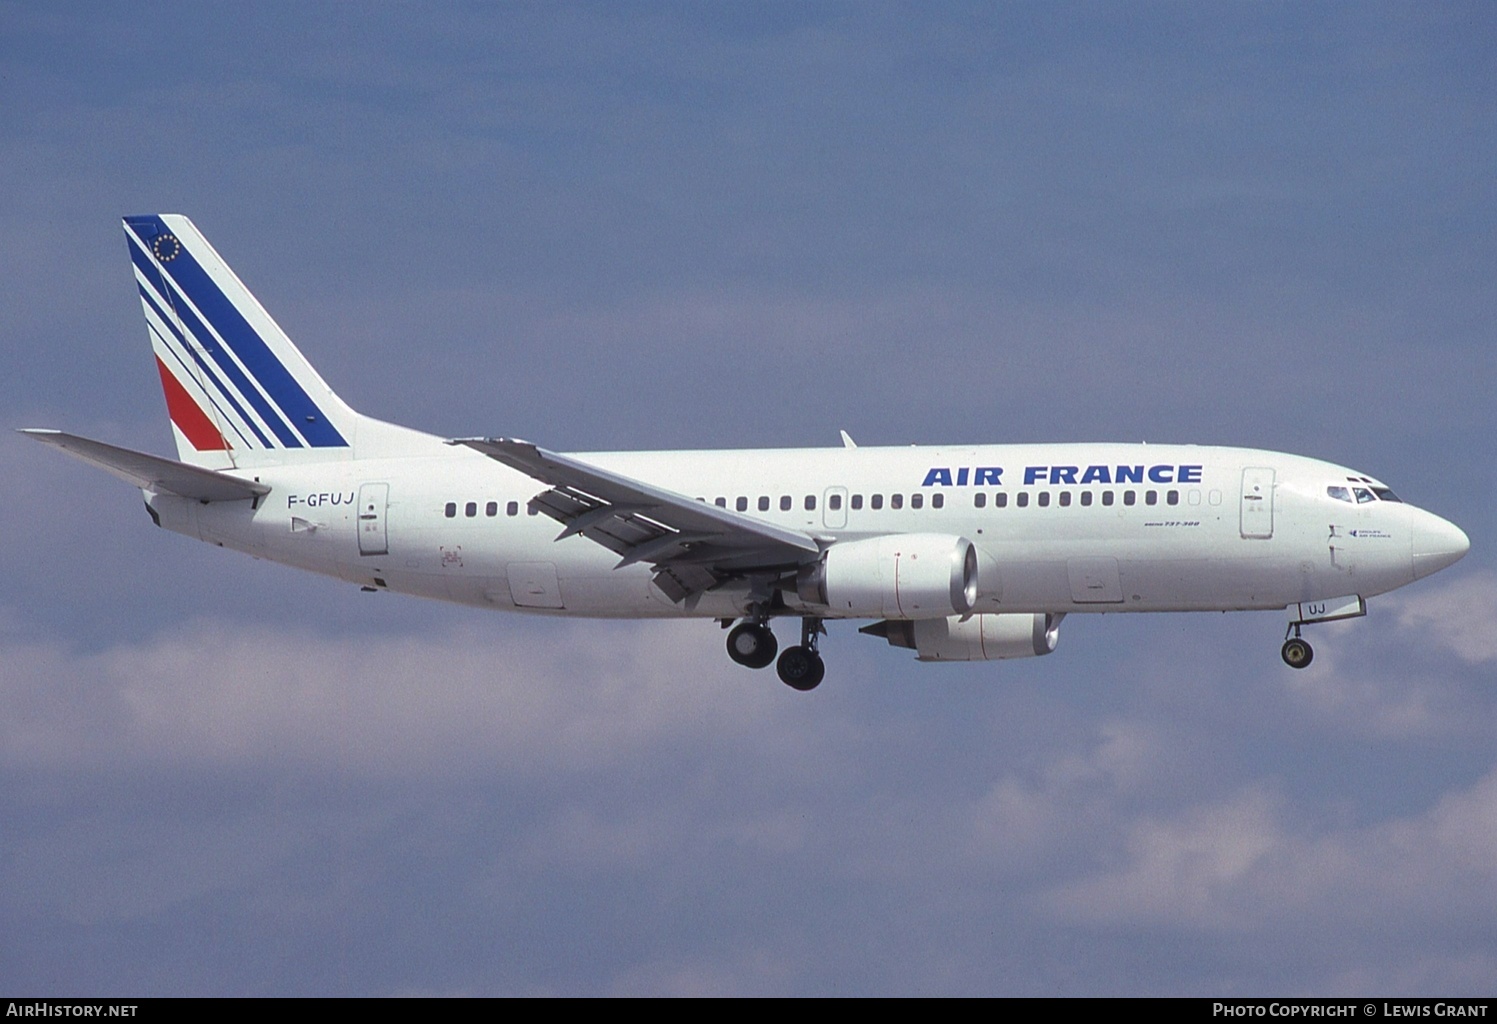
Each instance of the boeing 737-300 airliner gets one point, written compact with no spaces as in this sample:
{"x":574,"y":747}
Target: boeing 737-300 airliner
{"x":960,"y":553}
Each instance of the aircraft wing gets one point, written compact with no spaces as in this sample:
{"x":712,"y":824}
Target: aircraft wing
{"x":692,"y":545}
{"x":152,"y":472}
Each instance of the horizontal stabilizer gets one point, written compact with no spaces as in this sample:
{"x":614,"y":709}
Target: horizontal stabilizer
{"x":152,"y":472}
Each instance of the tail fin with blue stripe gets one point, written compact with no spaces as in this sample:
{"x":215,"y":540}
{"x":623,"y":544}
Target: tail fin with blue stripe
{"x":238,"y":391}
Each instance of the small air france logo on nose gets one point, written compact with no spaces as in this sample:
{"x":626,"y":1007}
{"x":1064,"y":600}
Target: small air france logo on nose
{"x":166,"y":247}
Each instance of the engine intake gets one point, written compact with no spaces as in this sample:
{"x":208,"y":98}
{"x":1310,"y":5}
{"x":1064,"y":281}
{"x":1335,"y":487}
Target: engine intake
{"x":910,"y":576}
{"x":973,"y":638}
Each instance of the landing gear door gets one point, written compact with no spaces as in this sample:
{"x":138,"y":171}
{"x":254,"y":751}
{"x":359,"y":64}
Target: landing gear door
{"x":372,"y":501}
{"x":1257,"y":503}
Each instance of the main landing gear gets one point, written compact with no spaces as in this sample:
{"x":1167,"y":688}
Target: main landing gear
{"x":1296,"y":652}
{"x":751,"y":643}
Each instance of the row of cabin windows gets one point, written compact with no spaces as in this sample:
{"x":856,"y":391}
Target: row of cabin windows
{"x":938,"y":500}
{"x":834,"y":502}
{"x":490,"y":509}
{"x":875,"y":502}
{"x":1000,"y":500}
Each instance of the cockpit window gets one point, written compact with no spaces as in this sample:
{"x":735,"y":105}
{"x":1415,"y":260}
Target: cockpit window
{"x":1363,"y":495}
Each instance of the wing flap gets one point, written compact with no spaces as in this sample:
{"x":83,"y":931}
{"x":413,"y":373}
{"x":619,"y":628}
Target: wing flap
{"x":152,"y":472}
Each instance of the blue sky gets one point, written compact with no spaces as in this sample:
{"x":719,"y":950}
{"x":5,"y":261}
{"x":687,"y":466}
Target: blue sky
{"x":704,"y":225}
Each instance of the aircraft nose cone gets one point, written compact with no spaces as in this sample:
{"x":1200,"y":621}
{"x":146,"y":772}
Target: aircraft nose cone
{"x":1437,"y":544}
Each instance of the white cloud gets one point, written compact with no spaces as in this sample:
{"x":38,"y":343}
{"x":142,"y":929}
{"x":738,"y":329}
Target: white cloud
{"x":535,"y":697}
{"x":1179,"y":870}
{"x":1024,"y":819}
{"x":1243,"y":864}
{"x":1460,"y":615}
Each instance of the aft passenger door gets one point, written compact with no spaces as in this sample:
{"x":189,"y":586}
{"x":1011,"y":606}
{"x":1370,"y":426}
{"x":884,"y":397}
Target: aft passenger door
{"x":1257,"y":503}
{"x":373,"y":498}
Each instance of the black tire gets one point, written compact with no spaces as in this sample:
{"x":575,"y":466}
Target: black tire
{"x":1297,"y":653}
{"x":801,"y":668}
{"x":752,"y":645}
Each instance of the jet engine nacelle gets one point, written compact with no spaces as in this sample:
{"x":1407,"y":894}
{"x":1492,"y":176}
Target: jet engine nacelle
{"x":973,"y":638}
{"x":910,"y":576}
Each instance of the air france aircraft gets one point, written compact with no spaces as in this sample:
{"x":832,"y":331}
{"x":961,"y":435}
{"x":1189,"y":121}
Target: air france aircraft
{"x":959,"y":553}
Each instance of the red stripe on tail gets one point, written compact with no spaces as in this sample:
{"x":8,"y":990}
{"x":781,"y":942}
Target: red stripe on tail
{"x":188,"y":415}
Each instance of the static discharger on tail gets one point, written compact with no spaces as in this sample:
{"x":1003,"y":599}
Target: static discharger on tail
{"x":959,"y":553}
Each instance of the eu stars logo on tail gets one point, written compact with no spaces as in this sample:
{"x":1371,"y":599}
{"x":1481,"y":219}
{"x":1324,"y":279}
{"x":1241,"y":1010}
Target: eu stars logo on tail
{"x":973,"y":564}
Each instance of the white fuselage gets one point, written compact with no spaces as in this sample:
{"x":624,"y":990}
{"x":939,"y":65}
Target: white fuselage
{"x":1058,"y":528}
{"x":959,"y":553}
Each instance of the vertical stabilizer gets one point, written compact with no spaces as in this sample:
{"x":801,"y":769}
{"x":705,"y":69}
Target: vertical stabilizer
{"x":238,"y":391}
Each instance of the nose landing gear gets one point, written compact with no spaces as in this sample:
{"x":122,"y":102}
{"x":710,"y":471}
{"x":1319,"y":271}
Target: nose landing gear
{"x":1296,"y":652}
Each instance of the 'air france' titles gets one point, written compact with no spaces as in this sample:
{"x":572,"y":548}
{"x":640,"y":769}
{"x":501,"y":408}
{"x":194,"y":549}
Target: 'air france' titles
{"x":986,"y":476}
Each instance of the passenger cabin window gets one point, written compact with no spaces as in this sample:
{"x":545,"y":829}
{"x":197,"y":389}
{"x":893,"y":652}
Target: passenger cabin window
{"x":980,"y":499}
{"x":876,"y":502}
{"x":1172,"y":497}
{"x":720,"y":502}
{"x":491,"y":509}
{"x":896,"y":501}
{"x":1000,"y":500}
{"x":1107,"y":497}
{"x":451,"y":510}
{"x":1023,"y":499}
{"x":763,"y":503}
{"x":1129,"y":497}
{"x":1065,"y":498}
{"x":785,"y":503}
{"x":741,"y":504}
{"x":938,"y":500}
{"x":1086,"y":497}
{"x":834,"y":502}
{"x":857,"y":502}
{"x":513,"y":508}
{"x":917,"y":500}
{"x":810,"y":503}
